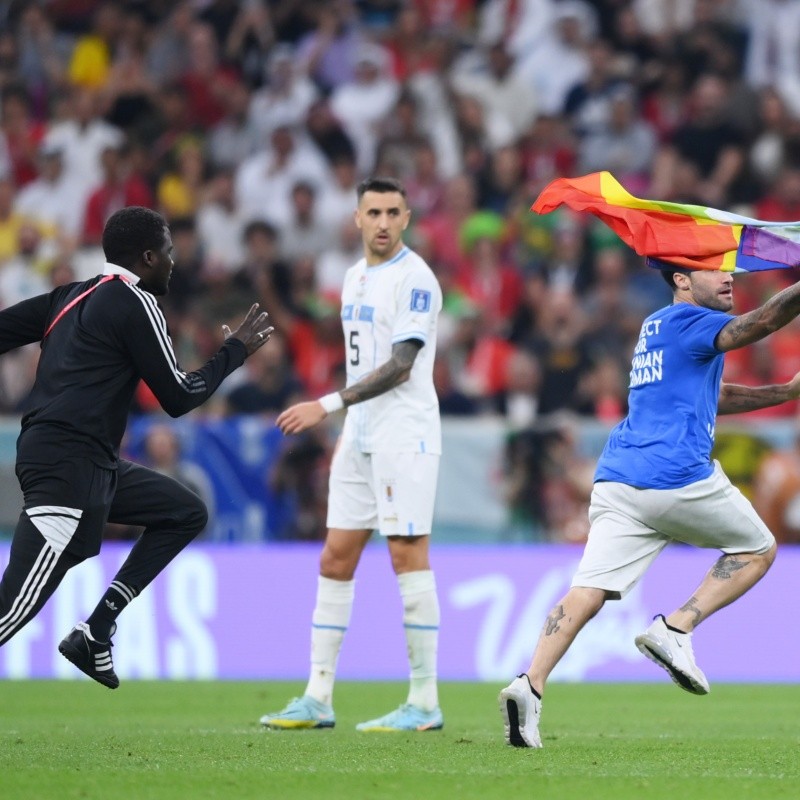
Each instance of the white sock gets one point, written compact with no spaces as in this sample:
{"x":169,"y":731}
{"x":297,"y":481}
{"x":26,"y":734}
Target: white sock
{"x":421,"y":621}
{"x":328,"y":627}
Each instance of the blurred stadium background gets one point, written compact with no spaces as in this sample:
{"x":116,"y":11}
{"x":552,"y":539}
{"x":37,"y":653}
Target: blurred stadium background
{"x":248,"y":125}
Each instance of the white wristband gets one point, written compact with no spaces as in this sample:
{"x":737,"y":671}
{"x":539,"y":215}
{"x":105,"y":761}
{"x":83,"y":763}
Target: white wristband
{"x":331,"y":402}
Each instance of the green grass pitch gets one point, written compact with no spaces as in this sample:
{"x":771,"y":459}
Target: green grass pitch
{"x":170,"y":741}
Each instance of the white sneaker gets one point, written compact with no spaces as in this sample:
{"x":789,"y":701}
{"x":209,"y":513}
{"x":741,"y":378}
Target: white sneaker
{"x":673,"y":651}
{"x":521,"y":710}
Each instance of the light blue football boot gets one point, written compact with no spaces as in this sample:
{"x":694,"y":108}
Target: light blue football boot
{"x":405,"y":718}
{"x":301,"y":713}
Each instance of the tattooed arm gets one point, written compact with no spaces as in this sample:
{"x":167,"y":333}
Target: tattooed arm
{"x":392,"y":373}
{"x":735,"y":399}
{"x":778,"y":311}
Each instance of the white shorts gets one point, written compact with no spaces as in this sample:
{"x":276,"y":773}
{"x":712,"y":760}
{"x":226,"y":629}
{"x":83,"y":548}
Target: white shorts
{"x":630,"y":527}
{"x":392,"y":493}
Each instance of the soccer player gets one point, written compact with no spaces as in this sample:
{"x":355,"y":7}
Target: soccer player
{"x":385,"y":468}
{"x":655,"y":483}
{"x":98,"y":339}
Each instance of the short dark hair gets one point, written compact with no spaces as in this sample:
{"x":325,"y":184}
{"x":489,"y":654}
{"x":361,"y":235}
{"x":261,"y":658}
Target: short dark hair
{"x":669,"y":275}
{"x":256,"y":226}
{"x":380,"y":184}
{"x":129,"y":232}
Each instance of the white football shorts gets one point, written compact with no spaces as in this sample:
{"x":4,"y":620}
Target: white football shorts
{"x":392,"y":493}
{"x":630,"y":527}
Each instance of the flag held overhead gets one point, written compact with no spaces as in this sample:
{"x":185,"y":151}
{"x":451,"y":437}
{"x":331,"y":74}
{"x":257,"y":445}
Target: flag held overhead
{"x":686,"y":235}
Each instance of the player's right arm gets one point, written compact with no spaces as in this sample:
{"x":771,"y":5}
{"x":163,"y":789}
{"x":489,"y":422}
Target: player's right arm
{"x":149,"y":344}
{"x":387,"y":376}
{"x":747,"y":328}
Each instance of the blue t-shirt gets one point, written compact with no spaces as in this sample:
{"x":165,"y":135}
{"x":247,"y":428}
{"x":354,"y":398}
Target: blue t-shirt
{"x":665,"y":441}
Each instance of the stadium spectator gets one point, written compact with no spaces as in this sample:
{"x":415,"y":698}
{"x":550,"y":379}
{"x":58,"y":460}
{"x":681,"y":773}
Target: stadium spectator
{"x":90,"y":61}
{"x":625,"y":146}
{"x":363,"y":103}
{"x":21,"y":135}
{"x":485,"y":277}
{"x":235,"y":137}
{"x":424,"y":184}
{"x":11,"y":221}
{"x":206,"y":81}
{"x":264,"y":182}
{"x":220,"y":223}
{"x":706,"y":155}
{"x":181,"y":186}
{"x":50,"y":201}
{"x":326,"y":53}
{"x":269,"y":385}
{"x":163,"y":453}
{"x":776,"y":491}
{"x":286,"y":96}
{"x":502,"y":91}
{"x":82,"y":137}
{"x":332,"y":265}
{"x":452,"y":401}
{"x":772,"y":59}
{"x":305,"y":232}
{"x":563,"y":43}
{"x":120,"y":187}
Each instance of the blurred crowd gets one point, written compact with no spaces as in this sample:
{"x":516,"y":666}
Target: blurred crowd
{"x":249,"y":123}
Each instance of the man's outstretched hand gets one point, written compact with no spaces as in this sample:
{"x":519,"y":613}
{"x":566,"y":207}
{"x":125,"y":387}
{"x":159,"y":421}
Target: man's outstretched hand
{"x":254,"y":330}
{"x":300,"y":417}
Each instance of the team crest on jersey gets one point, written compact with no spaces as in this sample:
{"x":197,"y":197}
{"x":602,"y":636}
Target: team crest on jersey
{"x":420,"y":300}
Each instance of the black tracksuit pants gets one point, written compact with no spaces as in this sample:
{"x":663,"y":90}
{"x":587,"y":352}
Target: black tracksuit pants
{"x":66,"y":506}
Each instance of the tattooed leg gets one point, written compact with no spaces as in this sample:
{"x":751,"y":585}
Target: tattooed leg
{"x":561,"y":627}
{"x":729,"y":578}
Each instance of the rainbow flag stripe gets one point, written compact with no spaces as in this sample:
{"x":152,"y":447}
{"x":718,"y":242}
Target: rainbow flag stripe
{"x":697,"y":237}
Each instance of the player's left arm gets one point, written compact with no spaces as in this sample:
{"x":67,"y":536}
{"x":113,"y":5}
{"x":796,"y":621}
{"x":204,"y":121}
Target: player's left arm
{"x":387,"y":376}
{"x":736,"y":399}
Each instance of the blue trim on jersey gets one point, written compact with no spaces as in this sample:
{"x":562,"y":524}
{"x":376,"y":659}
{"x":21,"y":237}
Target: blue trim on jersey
{"x":347,"y":312}
{"x":402,"y":254}
{"x":329,"y":627}
{"x":404,"y":337}
{"x":422,"y":627}
{"x":365,"y":313}
{"x":422,"y":447}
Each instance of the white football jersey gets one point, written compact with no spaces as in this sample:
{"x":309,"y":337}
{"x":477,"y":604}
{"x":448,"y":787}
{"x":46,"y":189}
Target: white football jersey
{"x":382,"y":305}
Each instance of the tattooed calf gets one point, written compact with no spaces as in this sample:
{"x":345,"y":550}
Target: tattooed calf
{"x":691,"y":606}
{"x":551,"y":625}
{"x":725,"y":567}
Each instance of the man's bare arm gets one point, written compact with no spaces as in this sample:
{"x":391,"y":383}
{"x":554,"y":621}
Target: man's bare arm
{"x":778,"y":311}
{"x":394,"y":372}
{"x":735,"y":399}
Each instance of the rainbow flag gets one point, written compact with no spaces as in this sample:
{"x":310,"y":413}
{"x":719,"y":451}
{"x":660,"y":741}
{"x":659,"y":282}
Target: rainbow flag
{"x":680,"y":234}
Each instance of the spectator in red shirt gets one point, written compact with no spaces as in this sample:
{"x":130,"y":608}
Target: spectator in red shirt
{"x":120,"y":187}
{"x":206,"y":82}
{"x":21,"y":133}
